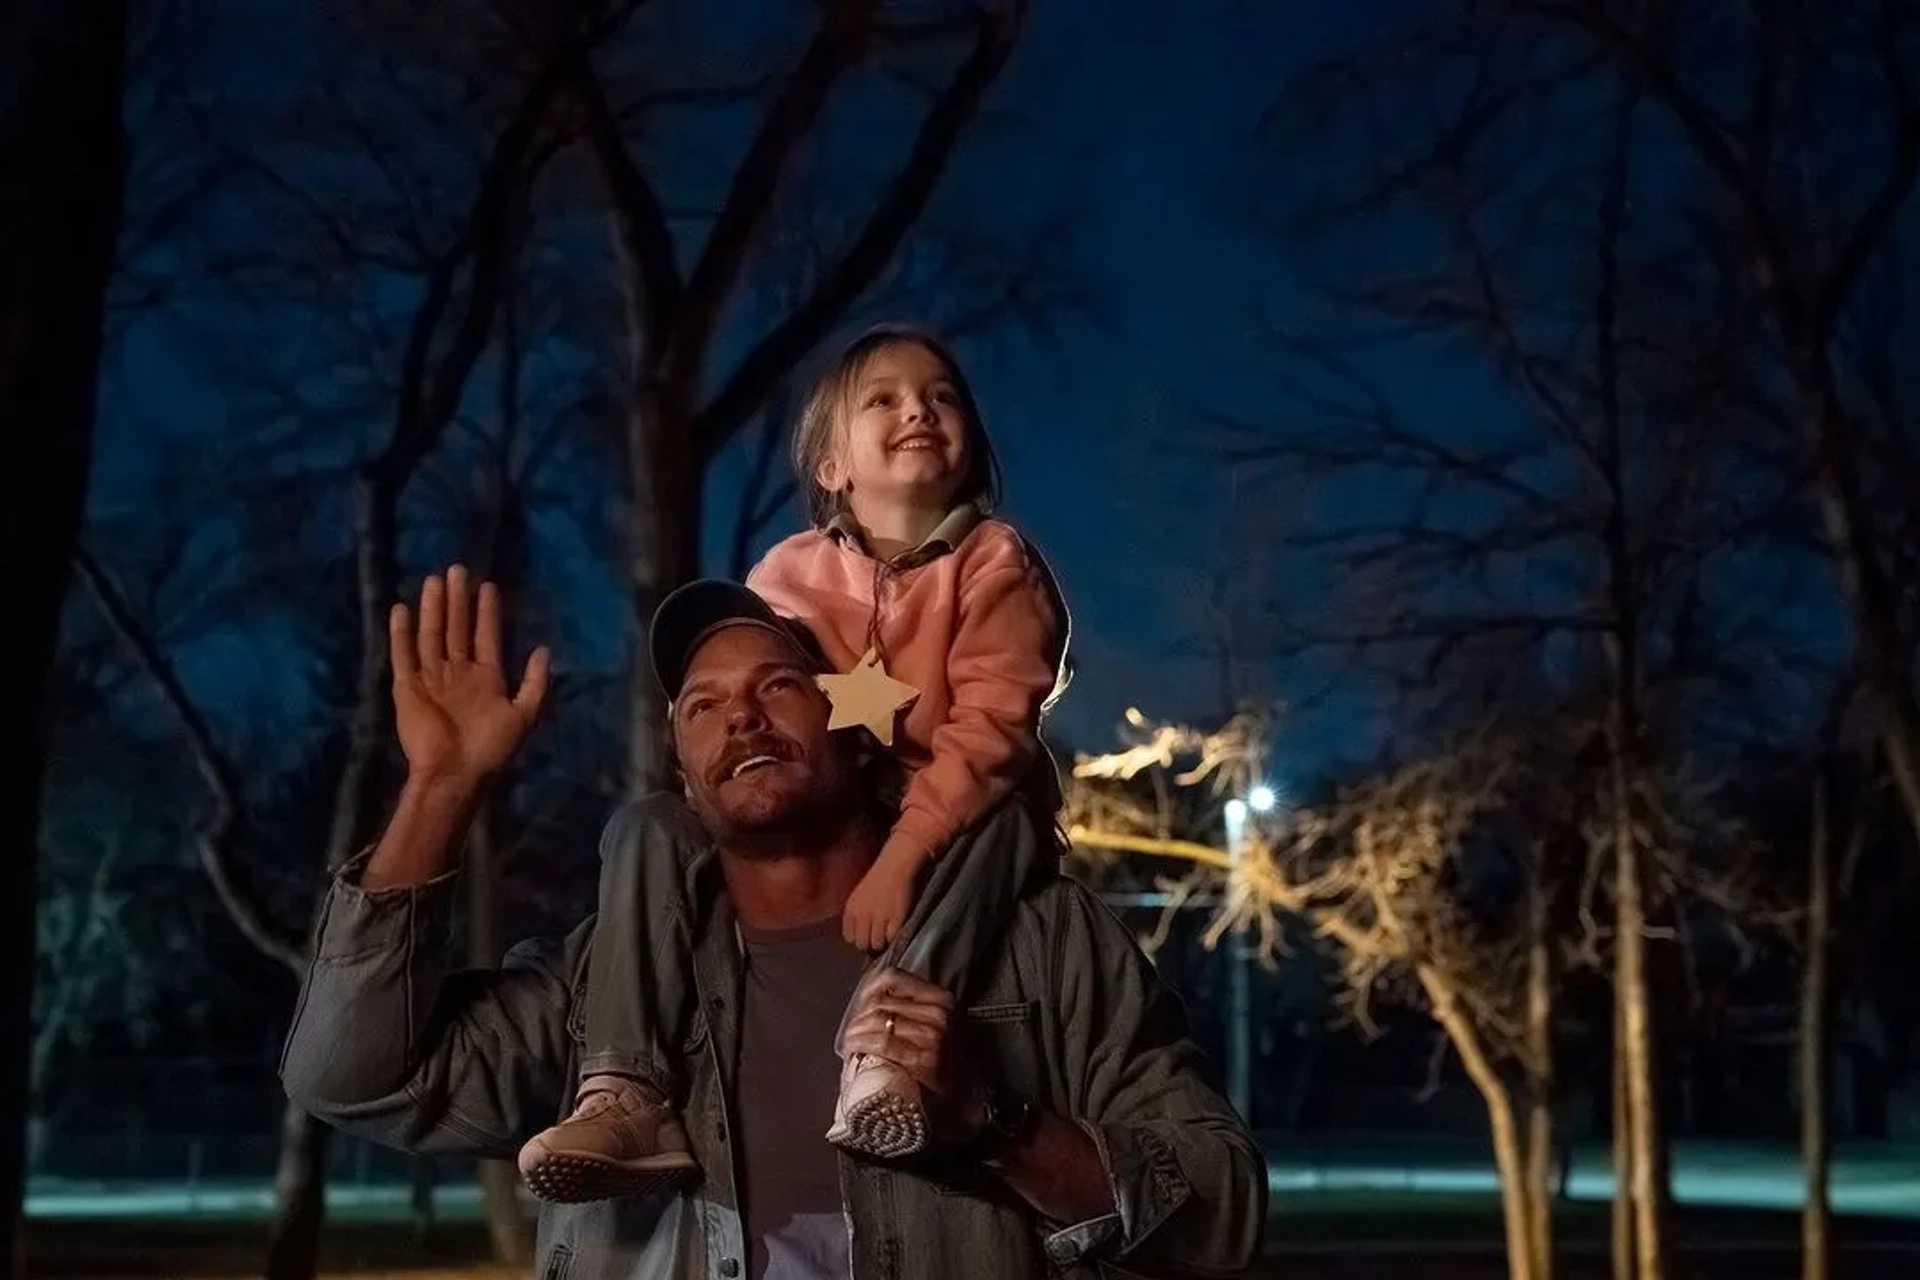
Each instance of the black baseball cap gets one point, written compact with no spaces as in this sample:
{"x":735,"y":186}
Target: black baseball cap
{"x":695,"y":611}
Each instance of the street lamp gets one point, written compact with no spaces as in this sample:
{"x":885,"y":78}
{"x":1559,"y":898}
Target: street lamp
{"x":1259,"y":799}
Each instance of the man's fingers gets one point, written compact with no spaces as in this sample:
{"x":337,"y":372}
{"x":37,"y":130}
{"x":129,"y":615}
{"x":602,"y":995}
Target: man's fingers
{"x":459,"y":613}
{"x":431,"y":635}
{"x":400,"y":643}
{"x":486,"y":631}
{"x":904,"y":1048}
{"x":906,"y":1030}
{"x":904,"y":1012}
{"x":533,"y":685}
{"x":885,"y":984}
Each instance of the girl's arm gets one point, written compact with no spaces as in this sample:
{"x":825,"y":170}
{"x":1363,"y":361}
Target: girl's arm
{"x":1001,"y":669}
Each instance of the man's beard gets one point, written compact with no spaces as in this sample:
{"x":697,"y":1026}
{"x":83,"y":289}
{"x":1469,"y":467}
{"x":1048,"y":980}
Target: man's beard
{"x":766,"y":828}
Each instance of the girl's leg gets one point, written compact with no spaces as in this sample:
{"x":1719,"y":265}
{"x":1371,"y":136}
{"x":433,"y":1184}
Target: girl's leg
{"x":640,"y":970}
{"x":624,"y":1136}
{"x":969,"y":899}
{"x":962,"y":912}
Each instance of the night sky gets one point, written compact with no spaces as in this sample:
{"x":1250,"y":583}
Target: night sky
{"x":1147,"y":125}
{"x":1100,"y":425}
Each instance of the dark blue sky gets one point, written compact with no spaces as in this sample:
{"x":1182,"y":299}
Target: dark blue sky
{"x":1147,"y":118}
{"x":1098,"y":432}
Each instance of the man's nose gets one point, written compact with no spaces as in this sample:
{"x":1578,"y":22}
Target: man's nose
{"x":744,"y":713}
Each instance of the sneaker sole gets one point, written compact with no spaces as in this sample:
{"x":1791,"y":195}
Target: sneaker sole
{"x":884,"y":1125}
{"x":564,"y":1178}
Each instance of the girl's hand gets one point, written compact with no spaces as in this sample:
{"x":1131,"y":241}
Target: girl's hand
{"x":877,"y":909}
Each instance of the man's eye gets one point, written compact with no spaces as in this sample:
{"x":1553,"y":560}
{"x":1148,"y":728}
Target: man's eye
{"x":694,"y":711}
{"x":783,"y":684}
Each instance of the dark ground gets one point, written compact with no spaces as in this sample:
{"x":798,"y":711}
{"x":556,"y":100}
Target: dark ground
{"x":1333,"y":1238}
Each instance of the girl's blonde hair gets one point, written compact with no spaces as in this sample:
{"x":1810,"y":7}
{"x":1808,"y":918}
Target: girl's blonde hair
{"x":817,"y":430}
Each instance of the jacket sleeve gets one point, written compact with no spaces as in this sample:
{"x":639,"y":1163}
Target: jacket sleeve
{"x":1189,"y":1183}
{"x":388,"y":1044}
{"x":1002,"y":667}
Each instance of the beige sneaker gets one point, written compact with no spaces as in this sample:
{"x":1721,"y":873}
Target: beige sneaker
{"x":880,"y":1112}
{"x":621,"y":1140}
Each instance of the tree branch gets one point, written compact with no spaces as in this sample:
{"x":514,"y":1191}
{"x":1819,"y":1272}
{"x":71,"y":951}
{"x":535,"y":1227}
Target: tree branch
{"x":841,"y":284}
{"x":836,"y":47}
{"x":642,"y":219}
{"x":1831,"y":294}
{"x":429,"y":402}
{"x":1655,"y":74}
{"x":218,"y":835}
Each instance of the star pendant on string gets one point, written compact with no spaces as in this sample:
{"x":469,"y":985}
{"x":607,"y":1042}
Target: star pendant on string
{"x":867,"y":696}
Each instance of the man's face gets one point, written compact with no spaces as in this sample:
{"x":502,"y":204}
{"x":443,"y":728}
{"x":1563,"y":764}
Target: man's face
{"x":750,"y":729}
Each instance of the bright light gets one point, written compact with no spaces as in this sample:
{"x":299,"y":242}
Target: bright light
{"x":1262,"y":799}
{"x":1236,"y":811}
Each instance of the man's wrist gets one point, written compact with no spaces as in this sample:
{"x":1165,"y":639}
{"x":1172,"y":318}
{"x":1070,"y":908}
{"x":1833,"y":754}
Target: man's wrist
{"x":423,"y":837}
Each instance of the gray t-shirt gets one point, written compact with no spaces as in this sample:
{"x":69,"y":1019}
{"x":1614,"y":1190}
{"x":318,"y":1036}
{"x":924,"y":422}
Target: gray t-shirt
{"x":798,"y":983}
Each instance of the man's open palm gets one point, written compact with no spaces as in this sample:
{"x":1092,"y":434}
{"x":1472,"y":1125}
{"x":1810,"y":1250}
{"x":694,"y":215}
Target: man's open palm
{"x":450,"y":703}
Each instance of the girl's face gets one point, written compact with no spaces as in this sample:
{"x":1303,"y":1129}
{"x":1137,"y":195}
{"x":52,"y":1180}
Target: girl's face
{"x":903,"y":434}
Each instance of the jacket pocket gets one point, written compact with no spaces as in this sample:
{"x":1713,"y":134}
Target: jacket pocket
{"x":1006,"y":1034}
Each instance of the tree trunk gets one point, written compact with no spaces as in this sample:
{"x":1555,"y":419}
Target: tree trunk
{"x":1872,"y":600}
{"x":64,"y":154}
{"x":1630,"y":980}
{"x":1621,"y":1214}
{"x":668,"y":482}
{"x":1624,"y":747}
{"x":507,"y":1225}
{"x":1540,"y":1078}
{"x":300,"y":1202}
{"x":1816,"y":1047}
{"x":426,"y":1177}
{"x":1517,"y":1211}
{"x":1515,"y":1214}
{"x":499,"y":1180}
{"x":300,"y":1197}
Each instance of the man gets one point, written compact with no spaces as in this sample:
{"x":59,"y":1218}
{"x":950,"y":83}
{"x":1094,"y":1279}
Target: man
{"x":1071,"y":1120}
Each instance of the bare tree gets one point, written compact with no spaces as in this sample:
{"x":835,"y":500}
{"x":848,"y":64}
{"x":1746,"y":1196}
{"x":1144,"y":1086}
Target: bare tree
{"x":1556,"y":548}
{"x":460,"y":283}
{"x":1807,"y":203}
{"x":1378,"y":874}
{"x":681,"y":411}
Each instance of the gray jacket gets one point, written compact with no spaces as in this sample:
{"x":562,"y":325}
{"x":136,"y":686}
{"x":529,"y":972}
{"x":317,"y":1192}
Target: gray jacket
{"x":388,"y":1042}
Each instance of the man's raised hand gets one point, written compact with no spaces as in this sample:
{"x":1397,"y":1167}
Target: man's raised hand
{"x":450,"y":704}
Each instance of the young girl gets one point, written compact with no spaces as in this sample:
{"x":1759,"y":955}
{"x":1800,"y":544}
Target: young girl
{"x":903,"y":571}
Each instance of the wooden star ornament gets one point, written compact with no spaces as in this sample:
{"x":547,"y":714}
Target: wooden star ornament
{"x":866,"y":696}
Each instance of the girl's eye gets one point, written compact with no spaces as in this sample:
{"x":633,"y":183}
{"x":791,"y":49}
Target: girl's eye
{"x":879,"y":400}
{"x":946,"y":395}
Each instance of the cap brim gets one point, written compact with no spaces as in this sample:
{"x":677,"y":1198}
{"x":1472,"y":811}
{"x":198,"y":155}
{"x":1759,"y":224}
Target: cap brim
{"x":694,"y":612}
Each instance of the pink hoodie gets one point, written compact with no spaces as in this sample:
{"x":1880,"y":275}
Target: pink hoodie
{"x":971,"y":618}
